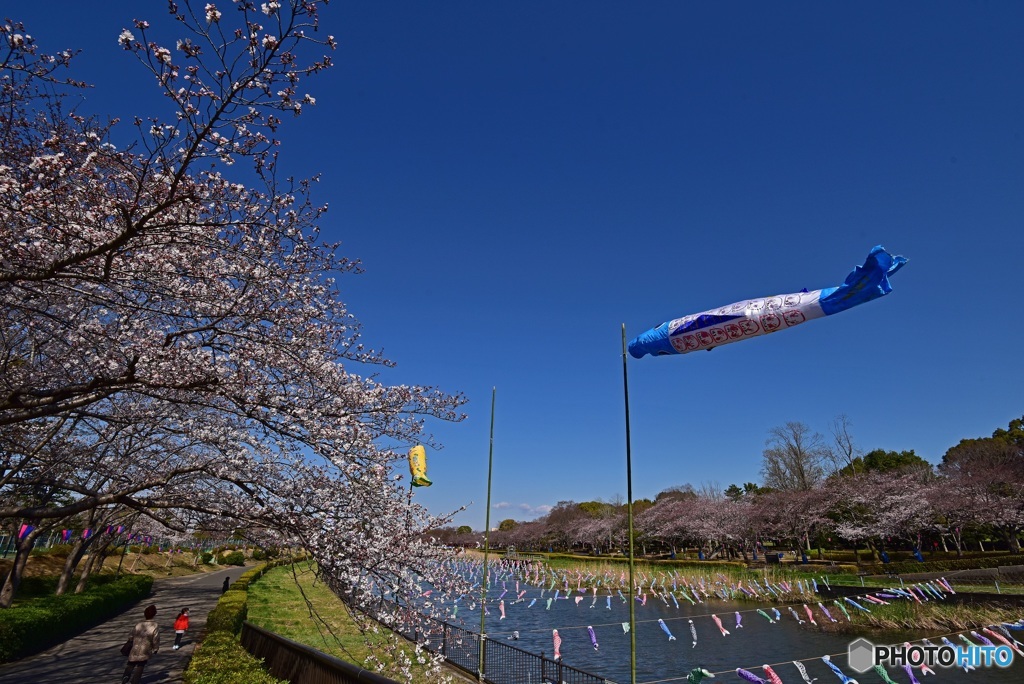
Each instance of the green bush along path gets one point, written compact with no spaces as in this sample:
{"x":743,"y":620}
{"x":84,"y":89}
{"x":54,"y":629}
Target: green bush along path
{"x":94,"y":656}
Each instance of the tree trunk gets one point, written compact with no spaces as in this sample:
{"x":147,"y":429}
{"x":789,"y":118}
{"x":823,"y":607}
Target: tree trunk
{"x":1011,"y":537}
{"x":95,"y":561}
{"x":959,"y":543}
{"x":106,"y":552}
{"x":23,"y":549}
{"x":74,"y":558}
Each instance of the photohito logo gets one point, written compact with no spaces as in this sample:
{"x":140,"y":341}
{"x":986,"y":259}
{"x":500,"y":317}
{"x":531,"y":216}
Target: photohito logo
{"x":864,"y":655}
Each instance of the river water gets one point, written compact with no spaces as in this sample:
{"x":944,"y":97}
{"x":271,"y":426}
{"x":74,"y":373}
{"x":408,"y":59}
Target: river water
{"x":757,"y":643}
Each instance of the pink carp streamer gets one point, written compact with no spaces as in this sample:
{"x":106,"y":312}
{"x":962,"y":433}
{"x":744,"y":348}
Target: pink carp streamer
{"x":925,"y":670}
{"x":772,"y":677}
{"x":718,"y":622}
{"x":810,"y":615}
{"x":1003,"y":639}
{"x":558,"y":644}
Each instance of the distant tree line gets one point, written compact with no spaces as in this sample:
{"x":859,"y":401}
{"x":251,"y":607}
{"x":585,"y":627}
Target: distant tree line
{"x":814,"y":493}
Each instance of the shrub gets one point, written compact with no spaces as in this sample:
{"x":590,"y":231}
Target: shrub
{"x":220,"y":659}
{"x":268,"y":553}
{"x":206,"y":557}
{"x":947,"y":565}
{"x":55,"y":550}
{"x":39,"y":623}
{"x":230,"y":612}
{"x":233,"y":558}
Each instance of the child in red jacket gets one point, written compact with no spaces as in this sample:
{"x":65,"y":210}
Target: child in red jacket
{"x":180,"y":627}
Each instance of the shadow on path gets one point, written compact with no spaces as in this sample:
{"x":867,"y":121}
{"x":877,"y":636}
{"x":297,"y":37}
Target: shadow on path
{"x":94,"y":655}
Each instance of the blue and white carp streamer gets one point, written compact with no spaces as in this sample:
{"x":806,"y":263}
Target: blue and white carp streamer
{"x":754,"y":317}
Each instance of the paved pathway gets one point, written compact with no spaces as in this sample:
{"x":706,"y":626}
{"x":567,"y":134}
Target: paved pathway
{"x":94,"y":656}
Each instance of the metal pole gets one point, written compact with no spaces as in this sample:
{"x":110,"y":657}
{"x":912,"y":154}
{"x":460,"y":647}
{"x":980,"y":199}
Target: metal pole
{"x":487,"y":542}
{"x":408,"y":510}
{"x":629,"y":518}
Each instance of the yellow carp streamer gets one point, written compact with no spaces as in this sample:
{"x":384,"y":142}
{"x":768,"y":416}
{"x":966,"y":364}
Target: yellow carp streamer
{"x":418,"y":466}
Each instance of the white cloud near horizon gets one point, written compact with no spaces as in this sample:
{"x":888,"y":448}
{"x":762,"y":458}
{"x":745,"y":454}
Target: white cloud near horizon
{"x":527,"y":510}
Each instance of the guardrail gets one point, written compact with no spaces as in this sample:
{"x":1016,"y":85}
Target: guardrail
{"x":300,"y":664}
{"x":515,"y":555}
{"x":502,"y":662}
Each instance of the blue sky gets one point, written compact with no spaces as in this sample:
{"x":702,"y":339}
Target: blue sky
{"x":520,"y":179}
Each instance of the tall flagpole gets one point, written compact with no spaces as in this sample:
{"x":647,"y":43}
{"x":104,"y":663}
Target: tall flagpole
{"x":629,"y":518}
{"x":487,"y":543}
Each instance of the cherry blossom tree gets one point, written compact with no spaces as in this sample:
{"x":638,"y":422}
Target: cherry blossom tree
{"x":875,"y":506}
{"x":989,"y":474}
{"x":175,"y":341}
{"x":794,"y":516}
{"x":528,"y":535}
{"x":954,"y":510}
{"x":669,"y":520}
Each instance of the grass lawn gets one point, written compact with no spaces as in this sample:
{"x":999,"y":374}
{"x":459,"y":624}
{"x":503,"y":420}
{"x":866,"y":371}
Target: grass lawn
{"x":277,"y":604}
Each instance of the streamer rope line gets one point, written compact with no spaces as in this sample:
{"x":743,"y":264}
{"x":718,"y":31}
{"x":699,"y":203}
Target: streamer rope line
{"x":668,"y":619}
{"x":793,"y":660}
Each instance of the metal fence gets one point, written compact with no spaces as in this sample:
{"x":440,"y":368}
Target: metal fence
{"x":299,"y":664}
{"x":502,"y":662}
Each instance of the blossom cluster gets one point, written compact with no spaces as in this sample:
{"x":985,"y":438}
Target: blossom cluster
{"x":175,"y":347}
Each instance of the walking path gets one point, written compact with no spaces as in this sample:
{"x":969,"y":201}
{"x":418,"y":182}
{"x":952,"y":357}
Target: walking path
{"x":94,"y":656}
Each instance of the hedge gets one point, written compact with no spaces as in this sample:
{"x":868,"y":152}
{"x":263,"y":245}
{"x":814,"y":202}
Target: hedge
{"x":39,"y":623}
{"x":232,"y":609}
{"x":689,"y":562}
{"x":908,"y":567}
{"x":220,"y":658}
{"x":233,"y":558}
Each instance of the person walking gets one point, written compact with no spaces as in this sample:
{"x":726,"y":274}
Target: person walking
{"x":145,"y":643}
{"x":227,"y":583}
{"x":180,"y":627}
